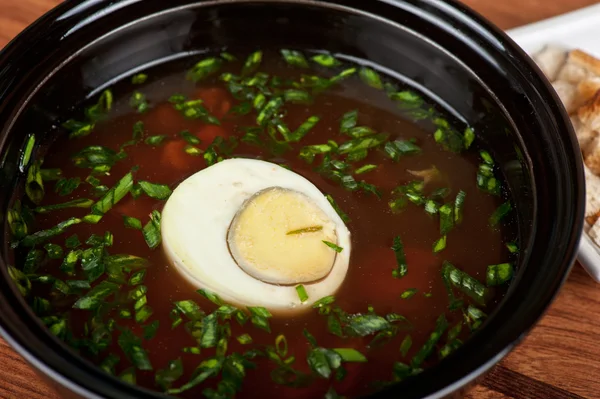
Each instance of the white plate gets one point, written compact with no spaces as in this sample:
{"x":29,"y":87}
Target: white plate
{"x":579,"y":29}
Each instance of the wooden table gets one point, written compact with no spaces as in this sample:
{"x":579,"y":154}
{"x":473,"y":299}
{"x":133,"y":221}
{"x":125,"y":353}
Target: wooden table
{"x":559,"y":359}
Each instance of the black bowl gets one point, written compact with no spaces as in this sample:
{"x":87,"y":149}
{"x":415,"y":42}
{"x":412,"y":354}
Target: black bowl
{"x":442,"y":48}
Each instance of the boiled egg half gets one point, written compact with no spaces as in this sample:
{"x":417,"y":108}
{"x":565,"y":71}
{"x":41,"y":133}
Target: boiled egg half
{"x":252,"y":231}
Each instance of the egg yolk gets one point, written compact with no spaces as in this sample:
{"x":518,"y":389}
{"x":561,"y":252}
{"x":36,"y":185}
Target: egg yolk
{"x":278,"y":237}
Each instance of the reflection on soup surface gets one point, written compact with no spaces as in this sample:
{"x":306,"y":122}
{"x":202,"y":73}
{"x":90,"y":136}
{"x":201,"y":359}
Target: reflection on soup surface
{"x":278,"y":224}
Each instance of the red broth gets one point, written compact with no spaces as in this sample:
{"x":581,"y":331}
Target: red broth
{"x":471,"y":246}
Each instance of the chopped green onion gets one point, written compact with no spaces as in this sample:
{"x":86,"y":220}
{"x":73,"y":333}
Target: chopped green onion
{"x":296,"y":96}
{"x":114,"y":195}
{"x":459,"y":204}
{"x":469,"y":136}
{"x":204,"y":68}
{"x":333,"y":246}
{"x":132,"y":347}
{"x":34,"y":186}
{"x":132,"y":223}
{"x":51,"y":174}
{"x":43,"y":235}
{"x":465,"y":283}
{"x":348,"y":121}
{"x":151,"y":230}
{"x":54,"y":251}
{"x":139,"y":79}
{"x":96,"y":296}
{"x":402,"y":267}
{"x":426,"y":350}
{"x":252,"y":63}
{"x":77,"y":203}
{"x":326,"y":60}
{"x":26,"y":154}
{"x":294,"y":58}
{"x":350,"y":355}
{"x":302,"y":295}
{"x":499,"y":274}
{"x":409,"y":293}
{"x":155,"y":140}
{"x":189,"y":138}
{"x":365,"y":169}
{"x":139,"y":102}
{"x":156,"y":191}
{"x":405,"y":345}
{"x":259,"y":317}
{"x":512,"y":247}
{"x":371,"y":78}
{"x":500,"y":213}
{"x":244,"y":339}
{"x":446,"y":218}
{"x":439,"y":245}
{"x":311,"y":229}
{"x":66,"y":186}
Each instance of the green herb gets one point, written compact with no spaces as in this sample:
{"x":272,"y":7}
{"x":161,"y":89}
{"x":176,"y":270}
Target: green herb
{"x":345,"y":74}
{"x":326,"y":60}
{"x":324,"y":302}
{"x":95,"y":297}
{"x":409,"y":293}
{"x":402,"y":267}
{"x":155,"y":140}
{"x":132,"y":223}
{"x":440,"y":326}
{"x":139,"y":102}
{"x":500,"y":213}
{"x":259,"y":317}
{"x":43,"y":235}
{"x":431,"y":207}
{"x":190,"y":309}
{"x":78,"y":203}
{"x":51,"y":174}
{"x":95,"y":156}
{"x":294,"y":58}
{"x":151,"y":230}
{"x":91,"y":219}
{"x":143,"y":314}
{"x":33,"y":260}
{"x":114,"y":195}
{"x":156,"y":191}
{"x":66,"y":186}
{"x":189,"y":138}
{"x":465,"y":283}
{"x":371,"y":78}
{"x":34,"y":186}
{"x":311,"y":229}
{"x":211,"y":296}
{"x":139,"y":79}
{"x":322,"y":361}
{"x":499,"y":274}
{"x":439,"y":245}
{"x":269,"y":110}
{"x":459,"y":204}
{"x":303,"y":129}
{"x":281,"y":345}
{"x":405,"y":345}
{"x":204,"y":68}
{"x":302,"y":295}
{"x":308,"y":153}
{"x":132,"y":347}
{"x":333,"y":246}
{"x":448,"y":137}
{"x":26,"y":153}
{"x":485,"y":175}
{"x":252,"y":63}
{"x":512,"y":247}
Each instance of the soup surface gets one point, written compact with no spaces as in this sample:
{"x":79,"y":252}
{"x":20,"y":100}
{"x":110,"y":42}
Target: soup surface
{"x":432,"y":239}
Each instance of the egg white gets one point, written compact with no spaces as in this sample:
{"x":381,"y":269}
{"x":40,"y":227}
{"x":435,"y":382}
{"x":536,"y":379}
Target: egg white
{"x":195,"y":224}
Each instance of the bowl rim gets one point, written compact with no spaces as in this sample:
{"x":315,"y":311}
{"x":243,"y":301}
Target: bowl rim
{"x":71,"y":16}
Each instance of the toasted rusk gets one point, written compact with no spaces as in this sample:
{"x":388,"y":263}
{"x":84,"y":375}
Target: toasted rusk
{"x":551,"y":59}
{"x":585,"y":135}
{"x":589,"y":113}
{"x":588,"y":87}
{"x":592,"y":195}
{"x":567,"y":93}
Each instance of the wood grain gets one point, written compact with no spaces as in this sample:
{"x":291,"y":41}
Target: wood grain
{"x":559,"y":359}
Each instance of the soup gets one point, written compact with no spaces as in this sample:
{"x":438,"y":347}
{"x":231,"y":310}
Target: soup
{"x":280,"y":224}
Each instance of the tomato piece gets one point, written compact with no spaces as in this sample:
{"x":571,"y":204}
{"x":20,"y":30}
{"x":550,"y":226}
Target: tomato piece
{"x":210,"y":132}
{"x":216,"y":100}
{"x":174,"y":156}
